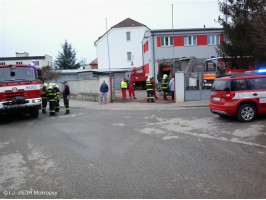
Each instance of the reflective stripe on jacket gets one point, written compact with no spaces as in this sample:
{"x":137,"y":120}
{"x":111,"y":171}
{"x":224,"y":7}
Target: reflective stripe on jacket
{"x":149,"y":86}
{"x":165,"y":84}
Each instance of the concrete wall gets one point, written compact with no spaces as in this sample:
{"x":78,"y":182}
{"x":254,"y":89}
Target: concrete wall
{"x":87,"y":90}
{"x":179,"y":87}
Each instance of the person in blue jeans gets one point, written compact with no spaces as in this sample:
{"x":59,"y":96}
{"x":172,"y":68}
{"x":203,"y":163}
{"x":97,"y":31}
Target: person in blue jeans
{"x":103,"y":90}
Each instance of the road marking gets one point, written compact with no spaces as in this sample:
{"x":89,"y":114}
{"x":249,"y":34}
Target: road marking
{"x":119,"y":124}
{"x":66,"y":116}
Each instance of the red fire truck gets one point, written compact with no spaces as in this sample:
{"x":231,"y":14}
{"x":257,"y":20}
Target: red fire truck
{"x":219,"y":66}
{"x":20,"y":89}
{"x":138,"y":76}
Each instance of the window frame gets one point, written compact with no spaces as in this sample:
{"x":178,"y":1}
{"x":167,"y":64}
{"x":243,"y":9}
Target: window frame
{"x":128,"y":36}
{"x":213,"y":39}
{"x":169,"y":40}
{"x":190,"y":40}
{"x":129,"y":56}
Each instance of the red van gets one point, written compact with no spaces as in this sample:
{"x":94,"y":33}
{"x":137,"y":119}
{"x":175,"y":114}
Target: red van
{"x":241,"y":96}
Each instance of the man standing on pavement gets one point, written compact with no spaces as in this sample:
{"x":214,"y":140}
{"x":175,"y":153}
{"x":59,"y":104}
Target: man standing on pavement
{"x":103,"y":90}
{"x":131,"y":90}
{"x":66,"y":97}
{"x":172,"y":87}
{"x":124,"y":89}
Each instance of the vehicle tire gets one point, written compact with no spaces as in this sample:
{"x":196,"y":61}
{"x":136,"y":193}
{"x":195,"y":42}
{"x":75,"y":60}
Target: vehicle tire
{"x":34,"y":112}
{"x":246,"y":113}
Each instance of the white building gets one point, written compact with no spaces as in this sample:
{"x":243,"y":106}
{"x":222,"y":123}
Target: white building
{"x":121,"y":46}
{"x":25,"y":59}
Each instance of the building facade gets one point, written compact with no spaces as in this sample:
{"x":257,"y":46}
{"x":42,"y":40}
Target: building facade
{"x":121,"y":46}
{"x":169,"y":44}
{"x":25,"y":59}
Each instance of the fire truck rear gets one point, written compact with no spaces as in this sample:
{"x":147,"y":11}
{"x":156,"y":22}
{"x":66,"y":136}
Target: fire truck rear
{"x":20,"y":90}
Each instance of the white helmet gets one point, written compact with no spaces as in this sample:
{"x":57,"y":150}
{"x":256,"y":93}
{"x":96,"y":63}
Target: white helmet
{"x":45,"y":85}
{"x":165,"y":76}
{"x":50,"y":85}
{"x":149,"y":78}
{"x":56,"y":86}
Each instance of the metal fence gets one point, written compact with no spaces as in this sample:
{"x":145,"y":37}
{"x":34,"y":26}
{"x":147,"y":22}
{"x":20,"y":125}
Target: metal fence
{"x":194,"y":89}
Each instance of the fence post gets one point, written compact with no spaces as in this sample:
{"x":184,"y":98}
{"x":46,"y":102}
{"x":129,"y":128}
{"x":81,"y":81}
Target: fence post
{"x":180,"y":87}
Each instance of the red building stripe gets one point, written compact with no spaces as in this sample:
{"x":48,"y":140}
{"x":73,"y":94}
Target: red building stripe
{"x":145,"y":47}
{"x":201,"y":39}
{"x":178,"y":41}
{"x":221,"y":38}
{"x":158,"y":41}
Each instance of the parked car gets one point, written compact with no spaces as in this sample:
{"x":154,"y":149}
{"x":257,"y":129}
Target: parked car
{"x":242,"y":96}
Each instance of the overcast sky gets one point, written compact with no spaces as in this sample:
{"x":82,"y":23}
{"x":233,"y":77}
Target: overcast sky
{"x":39,"y":27}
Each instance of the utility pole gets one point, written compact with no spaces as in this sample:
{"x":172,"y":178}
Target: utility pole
{"x":107,"y":44}
{"x":173,"y":35}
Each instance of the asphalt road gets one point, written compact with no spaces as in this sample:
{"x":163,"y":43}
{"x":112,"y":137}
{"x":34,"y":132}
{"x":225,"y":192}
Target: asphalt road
{"x":132,"y":152}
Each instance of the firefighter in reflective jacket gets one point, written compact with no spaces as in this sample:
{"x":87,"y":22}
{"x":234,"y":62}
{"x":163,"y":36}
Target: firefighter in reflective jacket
{"x":124,"y":89}
{"x":44,"y":97}
{"x":165,"y":87}
{"x":57,"y":98}
{"x":149,"y":88}
{"x":51,"y":95}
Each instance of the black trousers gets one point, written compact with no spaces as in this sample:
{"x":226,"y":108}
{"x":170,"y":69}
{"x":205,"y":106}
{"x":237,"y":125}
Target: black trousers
{"x":52,"y":107}
{"x":150,"y":96}
{"x":44,"y":105}
{"x":66,"y":103}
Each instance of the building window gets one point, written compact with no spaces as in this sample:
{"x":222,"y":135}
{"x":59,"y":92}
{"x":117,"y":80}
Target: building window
{"x":128,"y":36}
{"x":2,"y":63}
{"x":166,"y":41}
{"x":190,"y":40}
{"x":213,"y":39}
{"x":19,"y":63}
{"x":35,"y":63}
{"x":128,"y":56}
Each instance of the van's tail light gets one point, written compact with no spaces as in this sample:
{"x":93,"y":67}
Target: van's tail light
{"x":229,"y":95}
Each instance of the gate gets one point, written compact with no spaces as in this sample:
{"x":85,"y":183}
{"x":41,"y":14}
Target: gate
{"x":194,"y":90}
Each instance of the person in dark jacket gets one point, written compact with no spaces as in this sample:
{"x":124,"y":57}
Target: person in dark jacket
{"x":165,"y":86}
{"x":66,"y":96}
{"x":51,"y":95}
{"x":149,"y":90}
{"x":103,"y":90}
{"x":57,"y":99}
{"x":44,"y":97}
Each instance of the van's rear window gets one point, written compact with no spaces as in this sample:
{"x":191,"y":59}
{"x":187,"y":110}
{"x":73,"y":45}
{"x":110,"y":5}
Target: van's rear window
{"x":221,"y":85}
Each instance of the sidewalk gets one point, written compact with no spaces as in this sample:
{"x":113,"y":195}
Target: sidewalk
{"x":136,"y":104}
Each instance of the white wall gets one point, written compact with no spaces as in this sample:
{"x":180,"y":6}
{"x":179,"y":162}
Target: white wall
{"x":88,"y":90}
{"x":179,"y":87}
{"x":119,"y":46}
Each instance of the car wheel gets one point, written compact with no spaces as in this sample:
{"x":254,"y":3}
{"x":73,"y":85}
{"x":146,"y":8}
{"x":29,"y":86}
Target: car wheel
{"x":246,"y":113}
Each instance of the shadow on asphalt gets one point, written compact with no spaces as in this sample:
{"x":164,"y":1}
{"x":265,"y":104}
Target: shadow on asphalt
{"x":13,"y":117}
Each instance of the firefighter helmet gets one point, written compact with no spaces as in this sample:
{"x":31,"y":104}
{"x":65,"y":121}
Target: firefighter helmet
{"x":45,"y":85}
{"x":165,"y":76}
